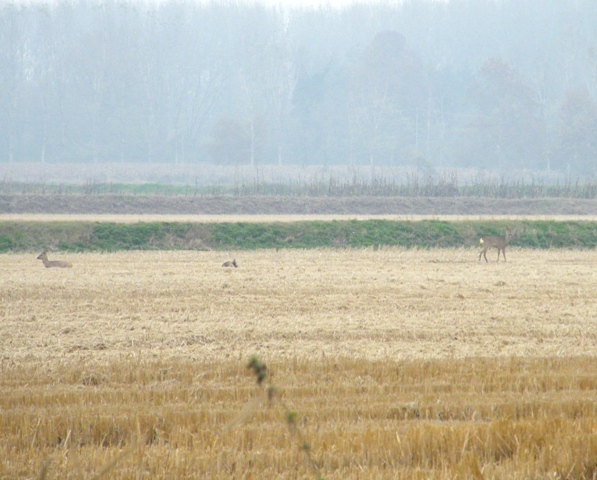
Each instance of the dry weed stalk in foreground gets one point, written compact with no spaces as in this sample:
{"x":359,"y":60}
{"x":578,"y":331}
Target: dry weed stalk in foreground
{"x":260,"y":371}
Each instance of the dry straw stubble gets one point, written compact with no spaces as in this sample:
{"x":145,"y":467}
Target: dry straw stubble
{"x":398,"y":362}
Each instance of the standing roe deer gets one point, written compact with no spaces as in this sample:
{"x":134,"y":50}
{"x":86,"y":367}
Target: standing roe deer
{"x":230,"y":264}
{"x":53,"y":263}
{"x":496,"y":242}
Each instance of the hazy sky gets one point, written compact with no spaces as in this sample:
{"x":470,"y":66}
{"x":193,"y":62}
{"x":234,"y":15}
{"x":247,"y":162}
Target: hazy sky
{"x":294,"y":3}
{"x":334,"y":3}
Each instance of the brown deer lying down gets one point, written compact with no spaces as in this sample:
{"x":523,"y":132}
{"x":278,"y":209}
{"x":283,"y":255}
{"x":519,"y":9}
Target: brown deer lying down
{"x":53,"y":263}
{"x":230,"y":264}
{"x":496,"y":242}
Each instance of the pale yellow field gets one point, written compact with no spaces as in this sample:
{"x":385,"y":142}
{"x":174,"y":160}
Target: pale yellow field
{"x":399,"y":364}
{"x":389,"y":303}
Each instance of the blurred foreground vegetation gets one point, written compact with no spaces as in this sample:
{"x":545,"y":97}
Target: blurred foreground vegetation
{"x":516,"y":418}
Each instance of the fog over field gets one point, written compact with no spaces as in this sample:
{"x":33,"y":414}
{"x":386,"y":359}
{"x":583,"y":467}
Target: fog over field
{"x":352,"y":158}
{"x":497,"y":86}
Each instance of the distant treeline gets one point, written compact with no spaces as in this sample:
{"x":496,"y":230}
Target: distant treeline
{"x":498,"y":85}
{"x":90,"y":236}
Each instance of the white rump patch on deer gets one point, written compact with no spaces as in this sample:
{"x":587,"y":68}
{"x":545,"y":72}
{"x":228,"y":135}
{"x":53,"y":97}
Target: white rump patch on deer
{"x":500,"y":243}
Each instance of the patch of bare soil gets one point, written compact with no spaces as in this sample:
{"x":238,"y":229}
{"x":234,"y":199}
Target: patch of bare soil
{"x":271,"y":205}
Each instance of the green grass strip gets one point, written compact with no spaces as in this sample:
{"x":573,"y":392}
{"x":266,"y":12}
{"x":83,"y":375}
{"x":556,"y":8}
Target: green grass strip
{"x":103,"y":236}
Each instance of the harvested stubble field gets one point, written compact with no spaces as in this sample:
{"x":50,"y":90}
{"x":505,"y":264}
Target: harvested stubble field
{"x":398,"y":363}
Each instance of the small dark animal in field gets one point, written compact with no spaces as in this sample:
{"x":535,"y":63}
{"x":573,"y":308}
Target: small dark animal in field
{"x":230,"y":264}
{"x":53,"y":263}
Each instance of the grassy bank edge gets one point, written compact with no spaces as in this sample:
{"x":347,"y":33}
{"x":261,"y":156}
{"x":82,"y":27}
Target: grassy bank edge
{"x":25,"y":236}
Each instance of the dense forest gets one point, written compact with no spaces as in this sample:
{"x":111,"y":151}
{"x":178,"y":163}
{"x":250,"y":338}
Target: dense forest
{"x":491,"y":84}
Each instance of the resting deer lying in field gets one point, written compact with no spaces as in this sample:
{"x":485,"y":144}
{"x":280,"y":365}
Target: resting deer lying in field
{"x":496,"y":242}
{"x":230,"y":264}
{"x":53,"y":263}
